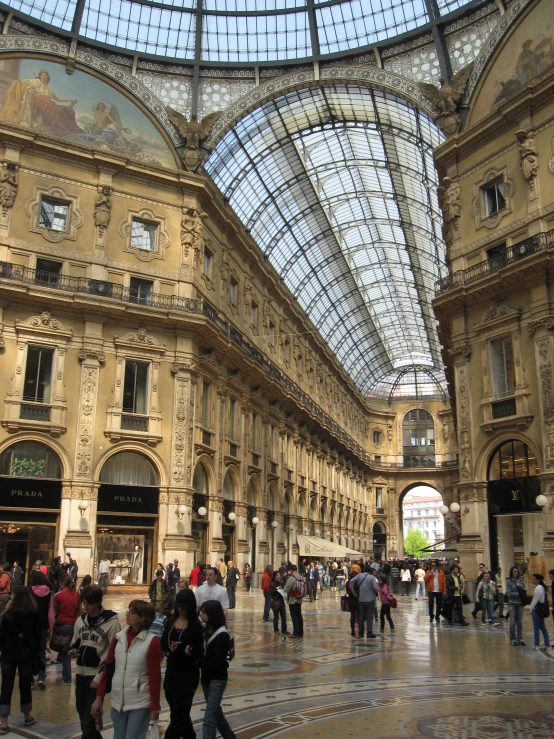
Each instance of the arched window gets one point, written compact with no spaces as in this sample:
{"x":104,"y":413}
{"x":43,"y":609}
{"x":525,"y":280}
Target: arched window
{"x":511,"y":460}
{"x":418,"y":439}
{"x":129,"y":468}
{"x":228,"y":488}
{"x":30,"y":459}
{"x":200,"y":481}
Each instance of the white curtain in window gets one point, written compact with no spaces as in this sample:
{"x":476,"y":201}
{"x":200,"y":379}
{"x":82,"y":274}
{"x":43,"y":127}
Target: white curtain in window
{"x":129,"y":468}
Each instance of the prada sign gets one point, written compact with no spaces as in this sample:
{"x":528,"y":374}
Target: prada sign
{"x":513,"y":496}
{"x":131,"y":499}
{"x":19,"y":492}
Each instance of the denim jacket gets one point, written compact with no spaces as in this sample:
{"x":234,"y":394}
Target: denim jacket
{"x":512,"y":589}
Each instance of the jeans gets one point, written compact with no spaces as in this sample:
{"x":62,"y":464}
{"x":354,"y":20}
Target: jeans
{"x":84,"y":698}
{"x":435,"y":603}
{"x":539,"y":626}
{"x":420,"y":586}
{"x":65,"y":659}
{"x":248,"y":584}
{"x":312,"y":589}
{"x":214,"y":718}
{"x":179,"y":691}
{"x":283,"y":614}
{"x":394,"y":584}
{"x":10,"y":664}
{"x":326,"y":580}
{"x":516,"y":618}
{"x":267,"y":605}
{"x":103,"y":583}
{"x":42,"y":654}
{"x":366,"y":612}
{"x":130,"y":724}
{"x":341,"y":583}
{"x":487,"y":607}
{"x":295,"y":610}
{"x":231,"y":593}
{"x":385,"y":613}
{"x":500,"y":600}
{"x":455,"y":604}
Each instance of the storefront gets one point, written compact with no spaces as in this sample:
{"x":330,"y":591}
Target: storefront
{"x":30,"y":500}
{"x":127,"y":520}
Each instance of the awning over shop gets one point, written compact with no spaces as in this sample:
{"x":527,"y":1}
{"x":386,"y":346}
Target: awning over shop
{"x":312,"y":546}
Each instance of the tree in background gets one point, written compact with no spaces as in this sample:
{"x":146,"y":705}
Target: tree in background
{"x":416,"y":543}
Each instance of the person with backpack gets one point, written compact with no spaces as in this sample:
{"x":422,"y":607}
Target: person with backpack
{"x":365,"y":588}
{"x":295,"y":588}
{"x":92,"y":636}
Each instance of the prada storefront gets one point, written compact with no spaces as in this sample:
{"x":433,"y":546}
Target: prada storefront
{"x":30,"y":500}
{"x":127,"y":520}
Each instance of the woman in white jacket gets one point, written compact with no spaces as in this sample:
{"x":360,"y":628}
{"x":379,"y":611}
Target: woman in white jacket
{"x":134,"y":660}
{"x":406,"y":580}
{"x":538,"y":603}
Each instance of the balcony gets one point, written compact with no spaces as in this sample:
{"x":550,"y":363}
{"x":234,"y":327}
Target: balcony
{"x":134,"y":422}
{"x":418,"y":461}
{"x":503,"y":408}
{"x":35,"y":412}
{"x":542,"y":242}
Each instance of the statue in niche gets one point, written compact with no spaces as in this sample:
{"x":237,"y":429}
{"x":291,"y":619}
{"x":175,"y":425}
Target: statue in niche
{"x":451,"y":208}
{"x":193,"y":134}
{"x":191,"y":232}
{"x":529,"y":157}
{"x":102,"y":209}
{"x":447,"y":98}
{"x":8,"y":189}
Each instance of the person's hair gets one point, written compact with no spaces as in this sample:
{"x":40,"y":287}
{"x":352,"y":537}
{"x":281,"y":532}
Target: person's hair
{"x":183,"y":583}
{"x":211,"y":567}
{"x":512,"y":571}
{"x":160,"y":572}
{"x":202,"y":567}
{"x":216,"y":617}
{"x":435,"y":562}
{"x":68,"y":583}
{"x":87,"y":580}
{"x":199,"y":564}
{"x":186,"y":601}
{"x":56,"y":560}
{"x":383,"y":579}
{"x":482,"y":564}
{"x":247,"y":564}
{"x":276,"y":574}
{"x":538,"y":577}
{"x":92,"y":594}
{"x":22,"y":600}
{"x":455,"y":566}
{"x":145,"y":611}
{"x":292,"y":567}
{"x":37,"y":578}
{"x":551,"y":572}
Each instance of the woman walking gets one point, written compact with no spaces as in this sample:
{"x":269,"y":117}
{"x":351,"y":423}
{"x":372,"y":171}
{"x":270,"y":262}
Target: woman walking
{"x":45,"y":606}
{"x":213,"y":668}
{"x":247,"y":576}
{"x":384,"y":598}
{"x":67,"y":609}
{"x":19,"y":645}
{"x":514,"y":588}
{"x":183,"y":642}
{"x":134,"y":660}
{"x":539,"y":610}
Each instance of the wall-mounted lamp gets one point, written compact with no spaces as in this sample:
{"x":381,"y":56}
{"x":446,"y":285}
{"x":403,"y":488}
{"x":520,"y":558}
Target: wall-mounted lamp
{"x":274,"y":524}
{"x":291,"y":528}
{"x":255,"y":521}
{"x":306,"y":530}
{"x":83,"y":506}
{"x":202,"y":511}
{"x":180,"y":511}
{"x":232,"y":516}
{"x":318,"y":532}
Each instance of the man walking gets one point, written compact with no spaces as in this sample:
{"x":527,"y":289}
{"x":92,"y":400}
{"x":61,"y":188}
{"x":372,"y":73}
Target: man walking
{"x":295,"y":589}
{"x":435,"y":581}
{"x":394,"y":577}
{"x":103,"y":575}
{"x":176,"y":574}
{"x":211,"y":590}
{"x":92,"y":636}
{"x":312,"y":578}
{"x":365,"y":587}
{"x":231,"y":583}
{"x":419,"y":576}
{"x":455,"y":589}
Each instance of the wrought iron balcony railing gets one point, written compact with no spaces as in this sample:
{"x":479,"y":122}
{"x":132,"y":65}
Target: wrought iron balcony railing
{"x":541,"y":242}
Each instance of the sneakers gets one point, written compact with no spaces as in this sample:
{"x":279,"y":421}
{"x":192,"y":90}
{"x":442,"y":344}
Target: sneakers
{"x":496,"y":623}
{"x":521,"y":643}
{"x":392,"y":631}
{"x":372,"y":636}
{"x":514,"y":644}
{"x":41,"y":684}
{"x":536,"y":649}
{"x":67,"y":683}
{"x":483,"y":623}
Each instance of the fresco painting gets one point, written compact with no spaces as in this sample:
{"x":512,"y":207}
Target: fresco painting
{"x":79,"y":107}
{"x":528,"y":53}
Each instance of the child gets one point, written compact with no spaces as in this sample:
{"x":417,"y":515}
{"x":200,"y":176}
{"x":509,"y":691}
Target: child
{"x":385,"y":604}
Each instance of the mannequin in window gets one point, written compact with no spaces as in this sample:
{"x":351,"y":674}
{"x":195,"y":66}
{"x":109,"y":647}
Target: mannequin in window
{"x":136,"y":562}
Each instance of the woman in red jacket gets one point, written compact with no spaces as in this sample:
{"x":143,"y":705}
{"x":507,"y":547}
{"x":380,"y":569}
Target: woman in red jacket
{"x":435,"y":582}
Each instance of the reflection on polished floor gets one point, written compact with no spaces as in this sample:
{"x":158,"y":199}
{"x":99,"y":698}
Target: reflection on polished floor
{"x":441,"y":682}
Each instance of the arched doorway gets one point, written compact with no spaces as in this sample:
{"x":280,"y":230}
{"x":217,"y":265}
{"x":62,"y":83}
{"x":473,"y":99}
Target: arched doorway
{"x":379,"y":541}
{"x":418,"y":439}
{"x":516,"y":523}
{"x":199,"y":525}
{"x":228,"y":523}
{"x":421,"y":512}
{"x":30,"y":480}
{"x":127,"y":520}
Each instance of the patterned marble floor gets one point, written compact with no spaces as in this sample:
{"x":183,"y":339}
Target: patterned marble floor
{"x":440,"y":683}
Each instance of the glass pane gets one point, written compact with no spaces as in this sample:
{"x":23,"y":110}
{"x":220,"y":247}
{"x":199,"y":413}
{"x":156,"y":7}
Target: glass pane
{"x":135,"y":387}
{"x":38,"y":372}
{"x":143,"y":235}
{"x":53,"y":215}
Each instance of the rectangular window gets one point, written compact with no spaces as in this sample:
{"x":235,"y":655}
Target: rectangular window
{"x":233,"y":291}
{"x":254,"y":314}
{"x":143,"y":235}
{"x":53,"y":215}
{"x":135,"y":387}
{"x":503,"y":367}
{"x":271,"y":334}
{"x":379,"y":498}
{"x":232,"y":417}
{"x":140,"y":291}
{"x":206,"y":404}
{"x":376,"y":437}
{"x":377,"y":458}
{"x":494,"y":198}
{"x":208,"y":259}
{"x":48,"y":272}
{"x":38,"y":374}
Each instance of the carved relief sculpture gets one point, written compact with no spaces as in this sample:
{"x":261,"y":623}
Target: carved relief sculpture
{"x":465,"y":429}
{"x":102,"y":212}
{"x":87,"y":412}
{"x":191,"y":233}
{"x":193,"y":134}
{"x":8,"y":190}
{"x":447,"y":99}
{"x":529,"y":158}
{"x":451,"y":208}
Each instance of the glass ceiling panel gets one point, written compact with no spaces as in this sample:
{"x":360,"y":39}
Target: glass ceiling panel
{"x":335,"y":186}
{"x":58,"y":13}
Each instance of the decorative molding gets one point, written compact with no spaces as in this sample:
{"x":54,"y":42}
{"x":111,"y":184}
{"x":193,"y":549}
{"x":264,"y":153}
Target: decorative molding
{"x":162,"y":234}
{"x":44,"y":325}
{"x":142,"y":340}
{"x":85,"y":423}
{"x":497,"y":313}
{"x":464,"y":435}
{"x":74,"y":214}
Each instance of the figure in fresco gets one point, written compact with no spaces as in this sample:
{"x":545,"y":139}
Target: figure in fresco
{"x":33,"y":104}
{"x":107,"y":120}
{"x":530,"y":63}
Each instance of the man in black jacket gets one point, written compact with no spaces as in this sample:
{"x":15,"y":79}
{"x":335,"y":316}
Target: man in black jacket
{"x":312,"y":578}
{"x":231,"y":582}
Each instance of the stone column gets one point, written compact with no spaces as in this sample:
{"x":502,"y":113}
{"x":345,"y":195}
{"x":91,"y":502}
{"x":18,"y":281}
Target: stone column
{"x":241,"y":535}
{"x":216,"y":545}
{"x":74,"y":531}
{"x":174,"y":530}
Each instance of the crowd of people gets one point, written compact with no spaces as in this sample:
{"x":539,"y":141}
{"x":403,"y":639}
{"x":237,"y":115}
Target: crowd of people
{"x":184,"y":621}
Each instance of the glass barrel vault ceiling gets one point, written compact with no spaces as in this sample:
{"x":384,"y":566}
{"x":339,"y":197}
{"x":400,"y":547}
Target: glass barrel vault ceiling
{"x":337,"y":186}
{"x":235,"y":31}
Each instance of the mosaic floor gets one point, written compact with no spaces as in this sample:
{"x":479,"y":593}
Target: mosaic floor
{"x":442,"y":682}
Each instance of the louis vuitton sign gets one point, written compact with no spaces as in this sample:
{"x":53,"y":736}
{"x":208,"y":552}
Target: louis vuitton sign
{"x":513,"y":496}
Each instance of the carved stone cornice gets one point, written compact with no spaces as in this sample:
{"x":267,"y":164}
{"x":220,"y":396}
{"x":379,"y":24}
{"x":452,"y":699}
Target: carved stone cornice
{"x":546,"y":322}
{"x":186,"y":365}
{"x":497,"y":313}
{"x":92,"y":353}
{"x":140,"y":339}
{"x":45,"y":325}
{"x":460,"y":351}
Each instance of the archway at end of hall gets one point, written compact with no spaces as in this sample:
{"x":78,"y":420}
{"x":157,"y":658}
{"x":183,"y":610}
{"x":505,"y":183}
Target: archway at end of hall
{"x":420,"y":511}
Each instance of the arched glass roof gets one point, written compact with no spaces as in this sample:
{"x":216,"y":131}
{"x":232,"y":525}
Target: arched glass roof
{"x":337,"y":186}
{"x":411,"y":383}
{"x":237,"y":31}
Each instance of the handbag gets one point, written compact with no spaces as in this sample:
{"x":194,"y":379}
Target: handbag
{"x":392,"y":601}
{"x":344,"y":603}
{"x":62,"y":636}
{"x":543,"y":609}
{"x":465,"y":599}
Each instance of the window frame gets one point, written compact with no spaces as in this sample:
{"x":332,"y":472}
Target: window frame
{"x":147,"y":385}
{"x":51,"y":352}
{"x":155,"y":229}
{"x":509,"y":392}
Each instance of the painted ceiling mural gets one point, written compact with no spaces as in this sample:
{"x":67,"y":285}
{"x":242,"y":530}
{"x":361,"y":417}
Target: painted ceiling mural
{"x":79,"y":107}
{"x":528,"y":53}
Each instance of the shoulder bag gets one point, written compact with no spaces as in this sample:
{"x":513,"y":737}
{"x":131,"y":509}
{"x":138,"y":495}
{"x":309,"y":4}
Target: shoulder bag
{"x":543,"y":609}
